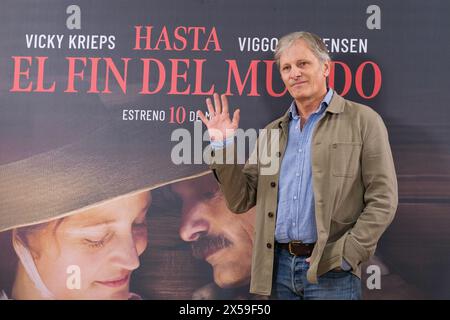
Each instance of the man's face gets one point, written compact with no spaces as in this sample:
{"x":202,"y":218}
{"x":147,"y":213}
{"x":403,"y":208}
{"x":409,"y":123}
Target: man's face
{"x":222,"y":238}
{"x":303,"y":74}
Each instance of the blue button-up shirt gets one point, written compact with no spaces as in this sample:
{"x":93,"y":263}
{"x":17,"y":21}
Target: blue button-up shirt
{"x":296,"y":214}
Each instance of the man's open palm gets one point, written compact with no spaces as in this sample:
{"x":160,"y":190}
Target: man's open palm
{"x":220,"y":125}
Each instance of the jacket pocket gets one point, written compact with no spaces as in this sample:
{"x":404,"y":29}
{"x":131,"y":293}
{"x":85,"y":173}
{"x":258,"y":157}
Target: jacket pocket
{"x":338,"y":229}
{"x":345,"y":158}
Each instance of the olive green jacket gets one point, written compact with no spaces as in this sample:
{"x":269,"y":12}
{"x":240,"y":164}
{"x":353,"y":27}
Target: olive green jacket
{"x":354,"y":185}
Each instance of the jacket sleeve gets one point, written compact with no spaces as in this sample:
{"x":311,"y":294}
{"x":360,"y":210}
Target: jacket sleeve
{"x":237,"y":182}
{"x":380,"y":197}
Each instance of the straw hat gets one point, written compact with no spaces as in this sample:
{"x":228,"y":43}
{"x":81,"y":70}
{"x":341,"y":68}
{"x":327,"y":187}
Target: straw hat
{"x":62,"y":153}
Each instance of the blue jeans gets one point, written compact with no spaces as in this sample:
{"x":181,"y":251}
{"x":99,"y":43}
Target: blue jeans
{"x":290,"y":283}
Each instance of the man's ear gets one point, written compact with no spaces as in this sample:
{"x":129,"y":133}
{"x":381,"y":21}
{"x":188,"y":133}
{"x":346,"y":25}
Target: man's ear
{"x":326,"y":68}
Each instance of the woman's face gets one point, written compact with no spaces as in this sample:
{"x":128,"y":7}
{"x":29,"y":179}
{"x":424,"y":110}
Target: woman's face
{"x":103,"y":243}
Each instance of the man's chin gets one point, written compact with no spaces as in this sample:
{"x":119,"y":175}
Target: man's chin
{"x":225,"y":277}
{"x":299,"y":94}
{"x":229,"y":282}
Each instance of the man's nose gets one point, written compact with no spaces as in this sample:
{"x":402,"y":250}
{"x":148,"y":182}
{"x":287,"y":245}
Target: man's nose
{"x":193,"y":226}
{"x":296,"y":73}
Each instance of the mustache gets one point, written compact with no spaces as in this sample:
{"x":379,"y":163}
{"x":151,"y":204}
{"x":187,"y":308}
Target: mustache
{"x":207,"y":245}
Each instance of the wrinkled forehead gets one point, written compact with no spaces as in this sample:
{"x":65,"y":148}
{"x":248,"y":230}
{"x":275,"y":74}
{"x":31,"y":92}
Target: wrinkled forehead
{"x":297,"y":50}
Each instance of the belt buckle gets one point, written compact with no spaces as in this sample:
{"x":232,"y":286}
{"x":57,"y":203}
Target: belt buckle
{"x":290,"y":246}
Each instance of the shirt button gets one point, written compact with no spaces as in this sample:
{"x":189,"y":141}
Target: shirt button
{"x":297,"y":174}
{"x":295,"y":197}
{"x":273,"y":184}
{"x":293,"y":224}
{"x":270,"y":214}
{"x":269,"y":245}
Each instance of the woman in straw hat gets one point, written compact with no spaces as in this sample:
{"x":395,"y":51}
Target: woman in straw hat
{"x":74,"y":191}
{"x":88,"y":255}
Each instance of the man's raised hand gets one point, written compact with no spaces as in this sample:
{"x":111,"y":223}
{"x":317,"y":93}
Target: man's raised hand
{"x":220,"y":125}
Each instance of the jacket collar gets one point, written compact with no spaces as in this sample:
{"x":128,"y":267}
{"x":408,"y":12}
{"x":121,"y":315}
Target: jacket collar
{"x":336,"y":106}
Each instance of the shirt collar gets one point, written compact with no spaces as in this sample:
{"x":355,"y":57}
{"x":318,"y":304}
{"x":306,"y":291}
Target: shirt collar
{"x":293,"y":114}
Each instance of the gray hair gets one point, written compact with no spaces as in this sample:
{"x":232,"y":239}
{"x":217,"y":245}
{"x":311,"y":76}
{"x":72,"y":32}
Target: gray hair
{"x":314,"y":42}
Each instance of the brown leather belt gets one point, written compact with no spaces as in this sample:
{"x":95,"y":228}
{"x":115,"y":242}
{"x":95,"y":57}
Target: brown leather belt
{"x":297,"y":248}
